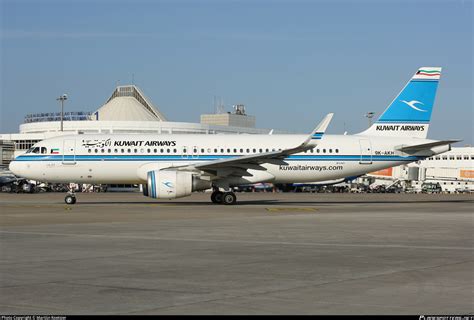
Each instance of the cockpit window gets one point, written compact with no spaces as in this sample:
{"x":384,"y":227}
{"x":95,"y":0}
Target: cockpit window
{"x":44,"y":150}
{"x":35,"y":150}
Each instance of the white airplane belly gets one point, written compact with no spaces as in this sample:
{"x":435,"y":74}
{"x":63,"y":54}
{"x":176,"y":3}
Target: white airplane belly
{"x":88,"y":172}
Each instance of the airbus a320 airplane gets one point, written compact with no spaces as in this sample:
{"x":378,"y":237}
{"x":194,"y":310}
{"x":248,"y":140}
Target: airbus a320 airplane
{"x":173,"y":166}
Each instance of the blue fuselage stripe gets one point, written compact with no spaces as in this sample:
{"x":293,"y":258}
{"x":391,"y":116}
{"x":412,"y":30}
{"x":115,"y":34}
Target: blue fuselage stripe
{"x":211,"y":157}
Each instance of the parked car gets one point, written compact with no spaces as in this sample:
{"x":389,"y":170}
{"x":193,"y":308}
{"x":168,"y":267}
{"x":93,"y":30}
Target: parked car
{"x":430,"y":187}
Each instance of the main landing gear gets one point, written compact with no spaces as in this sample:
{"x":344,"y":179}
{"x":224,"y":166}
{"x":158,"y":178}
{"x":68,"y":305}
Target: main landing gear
{"x":223,"y":197}
{"x":70,"y":198}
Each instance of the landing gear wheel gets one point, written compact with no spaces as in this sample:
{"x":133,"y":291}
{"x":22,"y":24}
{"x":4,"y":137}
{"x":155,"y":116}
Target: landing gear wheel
{"x":70,"y":199}
{"x":216,"y":197}
{"x":229,"y":198}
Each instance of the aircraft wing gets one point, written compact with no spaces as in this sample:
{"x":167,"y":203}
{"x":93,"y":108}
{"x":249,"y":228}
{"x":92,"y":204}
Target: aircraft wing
{"x":425,"y":146}
{"x":238,"y":165}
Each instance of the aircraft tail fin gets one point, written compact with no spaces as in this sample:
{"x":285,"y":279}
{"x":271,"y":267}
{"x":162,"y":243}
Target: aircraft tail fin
{"x":409,"y":114}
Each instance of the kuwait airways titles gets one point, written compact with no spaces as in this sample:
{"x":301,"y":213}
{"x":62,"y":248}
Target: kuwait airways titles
{"x":399,"y":127}
{"x":128,"y":143}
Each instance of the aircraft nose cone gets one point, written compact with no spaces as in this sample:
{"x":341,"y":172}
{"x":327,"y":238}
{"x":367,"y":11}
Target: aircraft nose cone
{"x":15,"y":168}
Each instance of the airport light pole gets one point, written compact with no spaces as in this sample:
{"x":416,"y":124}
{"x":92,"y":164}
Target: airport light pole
{"x":369,"y":116}
{"x":62,"y":99}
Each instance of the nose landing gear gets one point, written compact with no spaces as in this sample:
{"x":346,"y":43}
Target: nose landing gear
{"x":70,"y":198}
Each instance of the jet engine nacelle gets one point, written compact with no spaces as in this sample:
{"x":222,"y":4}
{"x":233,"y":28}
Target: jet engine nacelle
{"x":171,"y":184}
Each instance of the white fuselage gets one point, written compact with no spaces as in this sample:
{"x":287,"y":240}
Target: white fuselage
{"x":127,"y":158}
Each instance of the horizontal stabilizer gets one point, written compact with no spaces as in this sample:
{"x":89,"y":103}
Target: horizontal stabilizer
{"x":425,"y":146}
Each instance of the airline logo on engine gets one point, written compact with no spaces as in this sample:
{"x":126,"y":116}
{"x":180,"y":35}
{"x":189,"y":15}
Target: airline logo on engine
{"x":169,"y":184}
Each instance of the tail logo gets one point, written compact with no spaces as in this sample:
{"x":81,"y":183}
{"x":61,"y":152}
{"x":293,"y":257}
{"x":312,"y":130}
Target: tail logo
{"x":412,"y":103}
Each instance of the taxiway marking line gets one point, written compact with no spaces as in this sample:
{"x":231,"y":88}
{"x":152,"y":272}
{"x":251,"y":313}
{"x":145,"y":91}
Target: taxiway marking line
{"x":256,"y":242}
{"x":298,"y":209}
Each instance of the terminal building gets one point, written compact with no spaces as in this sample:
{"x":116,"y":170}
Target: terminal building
{"x":236,"y":119}
{"x":127,"y":110}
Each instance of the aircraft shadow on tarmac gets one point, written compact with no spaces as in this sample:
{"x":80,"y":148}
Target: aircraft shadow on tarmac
{"x":270,"y":202}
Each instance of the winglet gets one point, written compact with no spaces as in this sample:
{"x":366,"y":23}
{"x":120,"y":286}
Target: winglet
{"x":318,"y":132}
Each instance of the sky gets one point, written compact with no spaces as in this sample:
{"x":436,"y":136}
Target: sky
{"x":289,"y":62}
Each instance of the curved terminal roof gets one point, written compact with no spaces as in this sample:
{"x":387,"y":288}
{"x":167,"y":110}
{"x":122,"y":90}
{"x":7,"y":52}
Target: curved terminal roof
{"x":128,"y":103}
